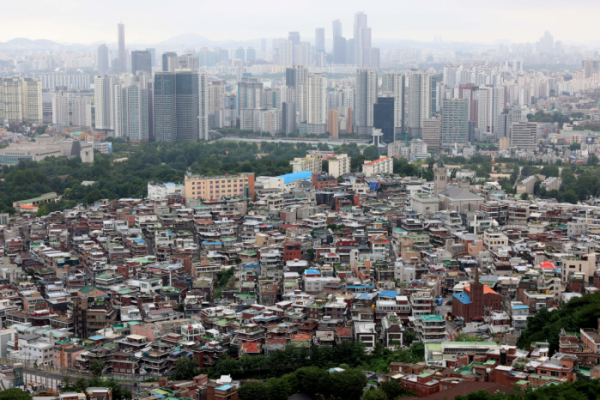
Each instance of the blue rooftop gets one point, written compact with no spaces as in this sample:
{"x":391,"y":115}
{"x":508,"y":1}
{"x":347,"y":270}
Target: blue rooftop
{"x":463,"y":298}
{"x":389,"y":293}
{"x":169,"y":184}
{"x":520,"y":307}
{"x":288,"y":178}
{"x":366,"y":296}
{"x":224,"y":387}
{"x":97,"y":337}
{"x":138,"y":240}
{"x":311,"y":271}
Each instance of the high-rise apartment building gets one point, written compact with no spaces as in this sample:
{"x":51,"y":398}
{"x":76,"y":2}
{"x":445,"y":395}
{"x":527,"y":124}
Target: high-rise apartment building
{"x":491,"y":103}
{"x":122,"y":56}
{"x":165,"y":120}
{"x":21,"y":100}
{"x":141,"y":60}
{"x":60,"y":108}
{"x":165,"y":60}
{"x":394,"y":82}
{"x":455,"y":123}
{"x":333,"y":124}
{"x":249,"y":93}
{"x":362,"y":40}
{"x":302,"y":54}
{"x":317,"y":103}
{"x":421,"y":100}
{"x":286,"y":52}
{"x":132,"y":113}
{"x":102,"y":62}
{"x":81,"y":111}
{"x":365,"y":98}
{"x":103,"y":101}
{"x":320,"y":40}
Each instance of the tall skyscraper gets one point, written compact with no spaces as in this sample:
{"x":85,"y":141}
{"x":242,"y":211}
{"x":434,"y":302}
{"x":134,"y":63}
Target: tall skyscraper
{"x":152,"y":55}
{"x":294,"y":37}
{"x":203,"y":103}
{"x":339,"y":43}
{"x":383,"y":118}
{"x":102,"y":59}
{"x":365,"y":98}
{"x":337,"y":28}
{"x":241,"y":54}
{"x":165,"y":60}
{"x":333,"y":124}
{"x":375,"y":58}
{"x":362,"y":40}
{"x":165,"y":121}
{"x":122,"y":53}
{"x":141,"y":60}
{"x":546,"y":44}
{"x":187,"y":105}
{"x":250,"y":54}
{"x":394,"y":83}
{"x":339,"y":50}
{"x":421,"y":100}
{"x":320,"y":40}
{"x":350,"y":51}
{"x":455,"y":123}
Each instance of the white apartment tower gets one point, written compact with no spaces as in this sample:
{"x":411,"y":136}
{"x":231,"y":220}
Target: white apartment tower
{"x":60,"y":108}
{"x":394,"y":82}
{"x":317,"y":99}
{"x":365,"y":98}
{"x":103,"y":94}
{"x":81,"y":111}
{"x":421,"y":100}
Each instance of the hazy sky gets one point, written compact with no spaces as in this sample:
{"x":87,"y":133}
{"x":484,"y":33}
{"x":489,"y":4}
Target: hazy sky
{"x":153,"y":21}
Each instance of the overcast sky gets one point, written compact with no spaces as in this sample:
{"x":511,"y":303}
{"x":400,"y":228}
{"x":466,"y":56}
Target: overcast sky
{"x":153,"y":21}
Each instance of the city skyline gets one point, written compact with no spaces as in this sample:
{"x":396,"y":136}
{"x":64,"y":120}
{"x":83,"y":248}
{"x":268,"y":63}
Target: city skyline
{"x":459,"y":21}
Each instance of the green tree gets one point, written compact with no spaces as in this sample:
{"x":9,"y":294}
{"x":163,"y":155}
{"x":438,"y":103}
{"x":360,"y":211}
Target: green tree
{"x":525,"y":196}
{"x":347,"y":385}
{"x":371,"y":153}
{"x":186,"y":368}
{"x":394,"y":390}
{"x":375,"y":394}
{"x":252,"y":391}
{"x":97,"y":367}
{"x":312,"y":381}
{"x":14,"y":394}
{"x":575,"y":146}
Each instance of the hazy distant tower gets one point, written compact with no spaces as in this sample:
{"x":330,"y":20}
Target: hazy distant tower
{"x":362,"y":40}
{"x":320,"y":40}
{"x":102,"y":58}
{"x":440,"y":178}
{"x":122,"y":54}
